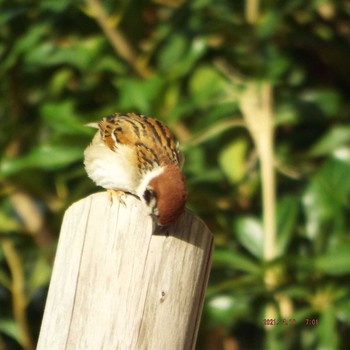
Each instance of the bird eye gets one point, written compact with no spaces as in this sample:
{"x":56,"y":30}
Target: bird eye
{"x":148,"y":195}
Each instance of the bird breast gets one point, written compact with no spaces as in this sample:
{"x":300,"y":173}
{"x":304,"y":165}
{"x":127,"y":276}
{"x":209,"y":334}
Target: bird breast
{"x":111,"y":169}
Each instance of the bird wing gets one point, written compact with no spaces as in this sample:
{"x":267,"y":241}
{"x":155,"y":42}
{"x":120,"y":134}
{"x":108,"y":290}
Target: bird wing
{"x":152,"y":140}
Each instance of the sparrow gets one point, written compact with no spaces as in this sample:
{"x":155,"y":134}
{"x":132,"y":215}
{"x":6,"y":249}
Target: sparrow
{"x":132,"y":153}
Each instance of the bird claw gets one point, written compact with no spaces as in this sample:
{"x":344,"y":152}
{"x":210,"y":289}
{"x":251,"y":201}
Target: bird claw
{"x":118,"y":194}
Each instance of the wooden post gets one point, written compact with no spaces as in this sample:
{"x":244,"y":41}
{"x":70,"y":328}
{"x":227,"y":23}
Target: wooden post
{"x":117,"y":285}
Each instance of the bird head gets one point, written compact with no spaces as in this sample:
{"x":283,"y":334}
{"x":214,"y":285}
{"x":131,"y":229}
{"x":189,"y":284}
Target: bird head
{"x":165,"y":195}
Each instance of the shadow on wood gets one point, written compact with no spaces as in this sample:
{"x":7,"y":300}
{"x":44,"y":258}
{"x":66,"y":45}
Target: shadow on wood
{"x":115,"y":285}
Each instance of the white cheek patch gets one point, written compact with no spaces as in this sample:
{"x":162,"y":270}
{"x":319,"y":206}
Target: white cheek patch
{"x":146,"y":180}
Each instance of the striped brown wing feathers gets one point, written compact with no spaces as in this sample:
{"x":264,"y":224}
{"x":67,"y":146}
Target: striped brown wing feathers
{"x":147,"y":158}
{"x":153,"y":141}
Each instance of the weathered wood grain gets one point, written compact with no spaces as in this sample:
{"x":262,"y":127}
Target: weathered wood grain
{"x":115,"y":285}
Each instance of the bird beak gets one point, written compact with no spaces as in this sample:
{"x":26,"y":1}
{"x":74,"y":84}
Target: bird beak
{"x":92,"y":125}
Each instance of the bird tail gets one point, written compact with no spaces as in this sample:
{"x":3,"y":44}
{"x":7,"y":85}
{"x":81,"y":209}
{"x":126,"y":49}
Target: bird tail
{"x":92,"y":125}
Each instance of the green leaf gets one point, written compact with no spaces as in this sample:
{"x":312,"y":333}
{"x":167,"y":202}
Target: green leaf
{"x":336,"y":262}
{"x":336,"y":137}
{"x":32,"y":38}
{"x":224,"y":308}
{"x":250,"y":234}
{"x":234,"y":260}
{"x":47,"y":157}
{"x":287,"y":212}
{"x":269,"y":23}
{"x":207,"y":83}
{"x":24,"y":44}
{"x":279,"y":63}
{"x":55,"y":6}
{"x":8,"y":222}
{"x":179,"y":54}
{"x":173,"y":50}
{"x":139,"y":95}
{"x":78,"y":53}
{"x":60,"y":80}
{"x":327,"y":329}
{"x":40,"y":275}
{"x":326,"y":195}
{"x":109,"y":64}
{"x":328,"y":100}
{"x":232,"y":159}
{"x":343,"y":311}
{"x":10,"y":328}
{"x":60,"y":117}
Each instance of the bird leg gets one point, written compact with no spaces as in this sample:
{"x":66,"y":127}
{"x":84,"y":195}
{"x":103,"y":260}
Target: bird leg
{"x":118,"y":194}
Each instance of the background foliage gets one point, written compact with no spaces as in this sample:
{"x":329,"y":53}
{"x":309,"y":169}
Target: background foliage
{"x":257,"y":92}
